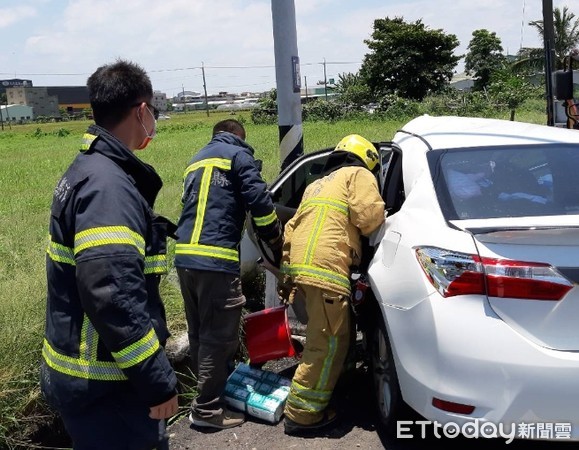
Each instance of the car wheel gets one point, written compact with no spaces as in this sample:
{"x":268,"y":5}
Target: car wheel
{"x":387,"y":395}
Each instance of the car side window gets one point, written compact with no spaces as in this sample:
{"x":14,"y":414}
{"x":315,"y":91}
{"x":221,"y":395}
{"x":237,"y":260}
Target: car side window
{"x":292,"y":190}
{"x":391,"y":180}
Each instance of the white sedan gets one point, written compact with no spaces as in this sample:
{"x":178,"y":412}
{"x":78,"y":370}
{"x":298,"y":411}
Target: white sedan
{"x":473,"y":317}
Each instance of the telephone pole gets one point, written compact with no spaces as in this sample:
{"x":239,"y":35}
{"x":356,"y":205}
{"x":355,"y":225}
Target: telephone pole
{"x":325,"y":82}
{"x":183,"y":98}
{"x":288,"y":80}
{"x":205,"y":88}
{"x":549,"y":49}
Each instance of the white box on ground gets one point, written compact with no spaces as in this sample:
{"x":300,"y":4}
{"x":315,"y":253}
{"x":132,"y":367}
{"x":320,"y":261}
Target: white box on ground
{"x":260,"y":393}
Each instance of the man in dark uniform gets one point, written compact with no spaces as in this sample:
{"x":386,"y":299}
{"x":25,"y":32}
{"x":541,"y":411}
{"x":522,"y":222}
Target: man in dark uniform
{"x":221,"y":184}
{"x":104,"y":366}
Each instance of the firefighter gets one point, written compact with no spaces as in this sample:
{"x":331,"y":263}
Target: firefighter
{"x":322,"y":242}
{"x":104,"y":367}
{"x":221,"y":184}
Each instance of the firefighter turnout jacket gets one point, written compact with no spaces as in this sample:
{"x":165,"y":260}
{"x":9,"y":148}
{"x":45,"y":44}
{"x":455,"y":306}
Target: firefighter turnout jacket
{"x":220,"y":184}
{"x":322,"y":240}
{"x":105,"y":321}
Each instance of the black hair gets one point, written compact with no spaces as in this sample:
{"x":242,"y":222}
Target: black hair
{"x":115,"y":88}
{"x":230,"y":126}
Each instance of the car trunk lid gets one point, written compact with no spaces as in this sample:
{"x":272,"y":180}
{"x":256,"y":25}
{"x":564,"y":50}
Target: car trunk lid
{"x":548,"y":323}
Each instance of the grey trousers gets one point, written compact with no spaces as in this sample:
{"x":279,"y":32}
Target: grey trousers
{"x":213,"y":306}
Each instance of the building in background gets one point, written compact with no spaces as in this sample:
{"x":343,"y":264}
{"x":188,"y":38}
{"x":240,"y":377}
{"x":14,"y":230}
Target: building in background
{"x":160,"y":101}
{"x":15,"y":113}
{"x":462,"y":82}
{"x":72,"y":99}
{"x":43,"y":104}
{"x":15,"y":82}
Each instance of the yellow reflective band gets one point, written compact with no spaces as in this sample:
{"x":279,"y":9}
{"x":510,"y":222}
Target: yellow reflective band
{"x":220,"y":163}
{"x":308,"y":399}
{"x":138,"y":351}
{"x":95,"y":237}
{"x":319,"y":395}
{"x":59,"y":252}
{"x":80,"y":367}
{"x":207,"y":250}
{"x":265,"y":220}
{"x":208,"y":165}
{"x":314,"y":235}
{"x":328,"y":362}
{"x":156,"y":264}
{"x":300,"y":403}
{"x":336,"y":205}
{"x":88,"y":341}
{"x":319,"y":273}
{"x":201,"y":204}
{"x":87,"y":139}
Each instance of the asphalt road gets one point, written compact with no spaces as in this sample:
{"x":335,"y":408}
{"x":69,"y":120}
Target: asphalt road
{"x":357,"y":427}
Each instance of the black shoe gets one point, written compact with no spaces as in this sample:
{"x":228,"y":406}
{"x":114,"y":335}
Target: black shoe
{"x":294,"y":428}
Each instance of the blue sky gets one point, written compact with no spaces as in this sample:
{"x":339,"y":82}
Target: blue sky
{"x":60,"y":43}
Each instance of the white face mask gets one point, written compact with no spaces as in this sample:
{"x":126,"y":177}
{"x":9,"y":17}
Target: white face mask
{"x":149,"y":136}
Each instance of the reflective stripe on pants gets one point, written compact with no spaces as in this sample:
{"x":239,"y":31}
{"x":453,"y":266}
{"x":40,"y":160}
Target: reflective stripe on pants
{"x":326,"y":347}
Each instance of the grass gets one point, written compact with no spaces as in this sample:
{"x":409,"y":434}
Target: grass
{"x":33,"y":159}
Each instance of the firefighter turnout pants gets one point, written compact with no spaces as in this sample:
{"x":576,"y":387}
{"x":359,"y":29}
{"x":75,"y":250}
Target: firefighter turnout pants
{"x":327,"y":341}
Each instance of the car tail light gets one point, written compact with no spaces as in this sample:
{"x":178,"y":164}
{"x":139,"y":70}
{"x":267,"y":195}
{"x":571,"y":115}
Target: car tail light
{"x":454,"y":273}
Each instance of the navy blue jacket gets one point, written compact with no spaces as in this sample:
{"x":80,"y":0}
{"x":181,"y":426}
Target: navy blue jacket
{"x":221,"y":184}
{"x":105,"y":321}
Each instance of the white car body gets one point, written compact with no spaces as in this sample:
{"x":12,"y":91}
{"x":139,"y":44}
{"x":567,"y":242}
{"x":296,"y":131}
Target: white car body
{"x":515,"y":360}
{"x":480,"y":356}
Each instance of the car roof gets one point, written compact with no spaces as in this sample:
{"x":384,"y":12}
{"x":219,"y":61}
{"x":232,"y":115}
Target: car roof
{"x":443,"y":132}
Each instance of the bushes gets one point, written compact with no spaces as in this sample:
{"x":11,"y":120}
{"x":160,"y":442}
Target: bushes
{"x":392,"y":107}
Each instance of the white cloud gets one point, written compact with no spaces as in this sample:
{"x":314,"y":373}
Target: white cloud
{"x":11,"y":16}
{"x":172,"y":38}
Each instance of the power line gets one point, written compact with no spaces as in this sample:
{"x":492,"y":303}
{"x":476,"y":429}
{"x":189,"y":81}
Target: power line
{"x":43,"y":74}
{"x":179,"y":69}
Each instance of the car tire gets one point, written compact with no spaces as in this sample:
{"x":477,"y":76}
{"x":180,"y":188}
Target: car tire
{"x":387,"y":395}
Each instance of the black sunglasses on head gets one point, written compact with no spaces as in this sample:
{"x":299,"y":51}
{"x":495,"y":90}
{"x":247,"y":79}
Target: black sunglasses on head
{"x":155,"y":110}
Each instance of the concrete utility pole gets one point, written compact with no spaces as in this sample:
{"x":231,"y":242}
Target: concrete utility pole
{"x":183,"y":98}
{"x":289,"y":106}
{"x":549,"y":48}
{"x":288,"y":80}
{"x":205,"y":88}
{"x":325,"y":82}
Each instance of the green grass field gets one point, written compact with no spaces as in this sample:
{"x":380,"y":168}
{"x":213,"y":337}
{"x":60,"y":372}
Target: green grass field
{"x":33,"y":158}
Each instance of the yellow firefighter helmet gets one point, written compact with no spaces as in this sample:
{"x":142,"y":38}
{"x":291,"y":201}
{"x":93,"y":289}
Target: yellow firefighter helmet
{"x":362,"y":148}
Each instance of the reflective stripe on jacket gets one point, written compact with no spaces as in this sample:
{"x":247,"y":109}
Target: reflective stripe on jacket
{"x":105,"y":322}
{"x":220,"y":184}
{"x":322,"y":240}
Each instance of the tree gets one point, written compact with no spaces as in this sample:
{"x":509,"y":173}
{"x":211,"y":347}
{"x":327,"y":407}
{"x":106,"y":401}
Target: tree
{"x":510,"y":90}
{"x":566,"y":31}
{"x":484,"y":57}
{"x":408,"y":59}
{"x":266,"y":110}
{"x":528,"y":61}
{"x":353,"y":90}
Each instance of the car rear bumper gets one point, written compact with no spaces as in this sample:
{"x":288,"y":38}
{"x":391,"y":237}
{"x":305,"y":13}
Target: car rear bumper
{"x":458,"y":350}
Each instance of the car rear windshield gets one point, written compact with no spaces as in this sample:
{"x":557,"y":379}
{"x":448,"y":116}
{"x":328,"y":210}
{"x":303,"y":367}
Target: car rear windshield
{"x":516,"y":181}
